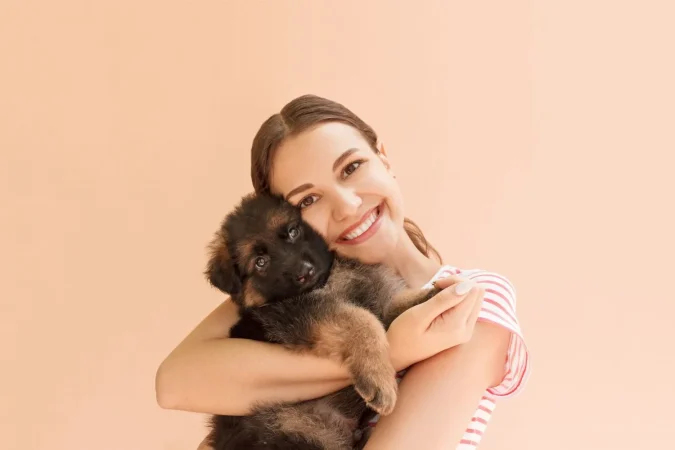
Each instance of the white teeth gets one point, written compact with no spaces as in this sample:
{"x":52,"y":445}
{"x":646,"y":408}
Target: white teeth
{"x":363,"y":227}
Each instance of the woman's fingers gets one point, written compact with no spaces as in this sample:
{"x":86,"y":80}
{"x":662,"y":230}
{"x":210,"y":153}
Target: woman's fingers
{"x":448,"y":281}
{"x":454,"y":292}
{"x":467,"y":311}
{"x":457,"y":323}
{"x":469,"y":315}
{"x":444,"y":321}
{"x":478,"y":304}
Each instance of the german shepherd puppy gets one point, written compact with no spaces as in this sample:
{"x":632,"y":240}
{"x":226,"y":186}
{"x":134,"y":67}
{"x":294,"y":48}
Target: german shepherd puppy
{"x":291,"y":289}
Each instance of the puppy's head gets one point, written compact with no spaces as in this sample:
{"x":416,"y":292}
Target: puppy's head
{"x":265,"y":252}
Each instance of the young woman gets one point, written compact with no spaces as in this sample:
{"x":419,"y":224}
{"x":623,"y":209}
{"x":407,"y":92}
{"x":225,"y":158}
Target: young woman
{"x":460,"y":351}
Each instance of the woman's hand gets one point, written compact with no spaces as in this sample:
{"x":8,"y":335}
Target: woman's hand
{"x":446,"y":320}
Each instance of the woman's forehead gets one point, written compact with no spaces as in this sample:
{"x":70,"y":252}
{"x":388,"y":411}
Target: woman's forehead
{"x":311,"y":155}
{"x":331,"y":138}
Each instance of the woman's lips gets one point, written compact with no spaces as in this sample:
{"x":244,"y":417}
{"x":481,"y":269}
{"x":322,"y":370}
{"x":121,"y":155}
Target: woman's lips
{"x":364,"y":229}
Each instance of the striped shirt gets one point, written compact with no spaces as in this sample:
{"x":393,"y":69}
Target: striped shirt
{"x":499,"y":307}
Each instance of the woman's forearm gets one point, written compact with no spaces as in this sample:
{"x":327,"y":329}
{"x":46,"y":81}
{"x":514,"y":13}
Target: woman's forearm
{"x":227,"y":376}
{"x":438,"y":396}
{"x":210,"y":373}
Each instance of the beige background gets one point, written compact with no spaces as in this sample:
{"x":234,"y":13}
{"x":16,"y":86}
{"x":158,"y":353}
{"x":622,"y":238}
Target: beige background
{"x":534,"y":138}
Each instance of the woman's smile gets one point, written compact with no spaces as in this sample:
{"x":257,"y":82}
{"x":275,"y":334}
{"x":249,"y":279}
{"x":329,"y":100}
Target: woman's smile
{"x":364,"y":229}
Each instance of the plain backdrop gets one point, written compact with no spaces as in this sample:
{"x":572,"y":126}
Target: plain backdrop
{"x":532,"y":138}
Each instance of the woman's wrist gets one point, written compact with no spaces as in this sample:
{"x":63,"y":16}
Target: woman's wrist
{"x":399,"y":359}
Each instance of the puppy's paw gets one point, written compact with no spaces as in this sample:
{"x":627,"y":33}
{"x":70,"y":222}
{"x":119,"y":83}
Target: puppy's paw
{"x":379,"y":389}
{"x":430,"y":292}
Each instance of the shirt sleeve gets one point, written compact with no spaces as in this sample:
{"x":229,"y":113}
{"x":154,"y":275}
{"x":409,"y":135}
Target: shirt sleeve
{"x":499,"y":307}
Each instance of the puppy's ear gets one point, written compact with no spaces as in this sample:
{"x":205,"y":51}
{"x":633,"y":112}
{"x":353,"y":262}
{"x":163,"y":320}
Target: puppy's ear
{"x":221,"y":271}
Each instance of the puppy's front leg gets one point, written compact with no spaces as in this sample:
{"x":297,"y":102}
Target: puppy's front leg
{"x":340,"y":331}
{"x":356,"y":337}
{"x":405,"y":300}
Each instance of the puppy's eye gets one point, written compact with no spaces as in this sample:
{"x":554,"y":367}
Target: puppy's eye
{"x":293,"y":232}
{"x":260,"y":262}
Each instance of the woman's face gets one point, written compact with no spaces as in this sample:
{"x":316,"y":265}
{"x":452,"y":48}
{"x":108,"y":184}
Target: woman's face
{"x":346,"y":191}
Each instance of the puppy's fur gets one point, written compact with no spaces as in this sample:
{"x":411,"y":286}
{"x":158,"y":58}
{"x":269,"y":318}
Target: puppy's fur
{"x":292,"y":290}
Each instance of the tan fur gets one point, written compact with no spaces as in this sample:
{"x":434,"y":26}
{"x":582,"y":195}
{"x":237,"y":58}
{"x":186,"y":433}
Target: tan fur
{"x":350,"y":324}
{"x":277,"y":219}
{"x":356,"y":337}
{"x":295,"y":421}
{"x":406,"y":299}
{"x":245,"y":254}
{"x":252,"y":297}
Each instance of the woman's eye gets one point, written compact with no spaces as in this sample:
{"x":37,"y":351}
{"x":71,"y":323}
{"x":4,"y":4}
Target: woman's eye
{"x":351,"y":168}
{"x":293,"y":232}
{"x":308,"y":201}
{"x":260,"y":262}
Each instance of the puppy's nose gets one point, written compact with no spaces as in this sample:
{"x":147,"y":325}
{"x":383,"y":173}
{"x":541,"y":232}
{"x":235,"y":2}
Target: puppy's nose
{"x":306,"y":272}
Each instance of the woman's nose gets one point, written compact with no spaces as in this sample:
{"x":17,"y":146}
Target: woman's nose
{"x":347,"y":204}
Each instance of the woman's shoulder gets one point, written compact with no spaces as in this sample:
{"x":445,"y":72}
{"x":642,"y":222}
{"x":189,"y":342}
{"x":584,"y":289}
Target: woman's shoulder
{"x":477,"y":275}
{"x":499,"y":307}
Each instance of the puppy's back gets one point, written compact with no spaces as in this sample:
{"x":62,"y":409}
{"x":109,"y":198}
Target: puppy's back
{"x":371,"y":286}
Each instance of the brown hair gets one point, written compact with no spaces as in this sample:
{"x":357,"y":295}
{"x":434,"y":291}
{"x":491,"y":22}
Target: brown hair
{"x":299,"y":115}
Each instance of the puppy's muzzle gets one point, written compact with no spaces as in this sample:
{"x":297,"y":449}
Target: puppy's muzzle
{"x":306,"y":273}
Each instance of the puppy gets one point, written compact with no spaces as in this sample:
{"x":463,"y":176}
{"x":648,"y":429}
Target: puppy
{"x":292,"y":290}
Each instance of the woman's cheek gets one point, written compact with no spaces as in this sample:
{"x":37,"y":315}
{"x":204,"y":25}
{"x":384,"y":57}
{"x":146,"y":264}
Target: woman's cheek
{"x":314,"y":217}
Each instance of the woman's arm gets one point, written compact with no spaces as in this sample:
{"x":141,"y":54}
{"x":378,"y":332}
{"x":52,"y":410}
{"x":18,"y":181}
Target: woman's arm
{"x":211,"y":373}
{"x":438,"y":396}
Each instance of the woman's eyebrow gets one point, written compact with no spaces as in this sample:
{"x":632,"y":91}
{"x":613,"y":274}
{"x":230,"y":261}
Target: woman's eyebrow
{"x":297,"y":190}
{"x":338,"y":162}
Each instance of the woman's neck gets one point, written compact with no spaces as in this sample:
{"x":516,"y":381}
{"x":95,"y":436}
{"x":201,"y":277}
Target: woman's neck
{"x":415,"y":268}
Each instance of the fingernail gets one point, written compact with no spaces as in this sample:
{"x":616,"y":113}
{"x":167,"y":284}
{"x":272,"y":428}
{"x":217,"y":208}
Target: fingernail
{"x":464,"y":287}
